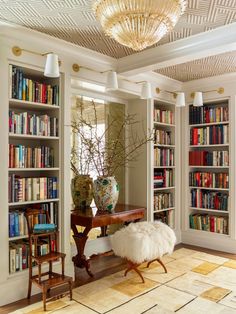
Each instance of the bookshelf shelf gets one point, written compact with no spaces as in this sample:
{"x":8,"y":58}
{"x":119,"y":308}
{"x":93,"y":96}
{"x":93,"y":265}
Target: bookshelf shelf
{"x":165,"y":188}
{"x":210,"y":167}
{"x":210,"y":145}
{"x":163,"y":167}
{"x":163,"y":210}
{"x":37,"y":137}
{"x":33,"y":169}
{"x":30,"y":105}
{"x":48,"y":200}
{"x":208,"y":124}
{"x":163,"y":145}
{"x":40,"y":179}
{"x":208,"y":233}
{"x":18,"y":238}
{"x":163,"y":124}
{"x":206,"y":188}
{"x":210,"y":210}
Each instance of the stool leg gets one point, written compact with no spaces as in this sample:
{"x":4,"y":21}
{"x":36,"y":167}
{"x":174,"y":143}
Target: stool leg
{"x":44,"y":292}
{"x":133,"y":266}
{"x":159,"y":261}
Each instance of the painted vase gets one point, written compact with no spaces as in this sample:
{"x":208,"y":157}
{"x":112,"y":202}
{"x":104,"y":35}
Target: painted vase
{"x":82,"y":191}
{"x":106,"y":193}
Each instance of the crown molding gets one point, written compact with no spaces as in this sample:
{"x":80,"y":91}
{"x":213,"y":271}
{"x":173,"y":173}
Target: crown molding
{"x":13,"y":34}
{"x":198,"y":46}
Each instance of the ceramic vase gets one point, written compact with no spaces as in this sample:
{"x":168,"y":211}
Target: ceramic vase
{"x":106,"y":193}
{"x":82,"y":191}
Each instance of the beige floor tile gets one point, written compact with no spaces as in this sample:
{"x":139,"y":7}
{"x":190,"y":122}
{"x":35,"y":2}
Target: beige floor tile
{"x":63,"y":304}
{"x":191,"y":283}
{"x":210,"y":258}
{"x":158,"y":274}
{"x":134,"y":286}
{"x":103,"y":300}
{"x":223,"y":277}
{"x":159,"y":310}
{"x":230,"y":300}
{"x":169,"y":298}
{"x":202,"y":306}
{"x":231,"y":264}
{"x":182,"y":253}
{"x":215,"y":294}
{"x":205,"y":268}
{"x":185,"y":263}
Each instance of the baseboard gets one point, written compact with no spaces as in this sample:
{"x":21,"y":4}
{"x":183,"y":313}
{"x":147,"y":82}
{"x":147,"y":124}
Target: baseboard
{"x":212,"y":241}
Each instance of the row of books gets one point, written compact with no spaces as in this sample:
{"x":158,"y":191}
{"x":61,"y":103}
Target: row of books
{"x":209,"y":199}
{"x":215,"y":134}
{"x":163,"y":178}
{"x":17,"y":221}
{"x":162,"y":137}
{"x":209,"y":179}
{"x":208,"y":114}
{"x":167,"y":217}
{"x":32,"y":124}
{"x":31,"y":189}
{"x":209,"y":223}
{"x":23,"y":88}
{"x":163,"y":201}
{"x":163,"y":157}
{"x":21,"y":156}
{"x":206,"y":158}
{"x":19,"y":253}
{"x":163,"y":116}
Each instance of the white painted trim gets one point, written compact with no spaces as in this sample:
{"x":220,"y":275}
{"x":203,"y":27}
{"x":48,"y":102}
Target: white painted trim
{"x":216,"y":41}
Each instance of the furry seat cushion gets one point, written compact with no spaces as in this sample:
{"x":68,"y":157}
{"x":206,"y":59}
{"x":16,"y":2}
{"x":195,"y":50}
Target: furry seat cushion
{"x":143,"y":241}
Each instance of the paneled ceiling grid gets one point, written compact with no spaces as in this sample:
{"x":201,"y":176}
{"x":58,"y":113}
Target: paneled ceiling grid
{"x":74,"y":21}
{"x":201,"y":68}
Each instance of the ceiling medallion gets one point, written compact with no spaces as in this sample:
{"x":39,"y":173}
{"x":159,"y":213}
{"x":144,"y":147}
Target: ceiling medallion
{"x":138,"y":24}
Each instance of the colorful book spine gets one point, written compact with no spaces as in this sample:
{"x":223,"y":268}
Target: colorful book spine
{"x":163,"y":201}
{"x":209,"y":199}
{"x":163,"y":157}
{"x":209,"y":223}
{"x":211,"y":135}
{"x":208,"y":114}
{"x":163,"y":178}
{"x":162,"y":137}
{"x":24,"y":88}
{"x":209,"y":180}
{"x":206,"y":158}
{"x":166,"y":217}
{"x":163,"y":116}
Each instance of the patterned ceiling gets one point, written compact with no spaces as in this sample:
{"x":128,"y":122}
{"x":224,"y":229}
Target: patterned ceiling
{"x":74,"y":21}
{"x":201,"y":68}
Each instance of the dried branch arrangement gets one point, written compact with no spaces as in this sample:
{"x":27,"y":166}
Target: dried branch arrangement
{"x":116,"y":147}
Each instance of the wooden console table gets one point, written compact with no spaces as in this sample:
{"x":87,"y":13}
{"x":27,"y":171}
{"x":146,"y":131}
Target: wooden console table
{"x":89,"y":219}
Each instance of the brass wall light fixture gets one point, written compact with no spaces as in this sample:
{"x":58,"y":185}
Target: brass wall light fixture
{"x":198,"y":96}
{"x":179,"y":96}
{"x":112,"y":81}
{"x":52,"y":63}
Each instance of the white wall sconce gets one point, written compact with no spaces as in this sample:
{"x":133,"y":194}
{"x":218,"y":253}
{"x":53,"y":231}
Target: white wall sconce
{"x":112,"y":81}
{"x":198,"y":96}
{"x":146,"y":91}
{"x":179,"y":96}
{"x":52,"y":63}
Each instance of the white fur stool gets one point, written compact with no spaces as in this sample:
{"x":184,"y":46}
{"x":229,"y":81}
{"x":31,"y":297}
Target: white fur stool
{"x":143,"y":242}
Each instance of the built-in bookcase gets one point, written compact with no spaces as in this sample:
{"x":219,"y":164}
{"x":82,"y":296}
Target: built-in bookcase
{"x":209,"y":164}
{"x":34,"y":156}
{"x":163,"y":152}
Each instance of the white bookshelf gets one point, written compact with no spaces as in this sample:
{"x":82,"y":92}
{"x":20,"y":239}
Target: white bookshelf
{"x":167,"y":214}
{"x":33,"y":141}
{"x":198,"y":218}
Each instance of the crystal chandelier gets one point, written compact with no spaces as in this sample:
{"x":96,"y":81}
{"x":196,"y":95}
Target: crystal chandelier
{"x":138,"y":23}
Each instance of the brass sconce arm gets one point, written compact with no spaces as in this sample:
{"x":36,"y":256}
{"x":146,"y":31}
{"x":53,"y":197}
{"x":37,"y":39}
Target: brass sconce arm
{"x":158,"y":91}
{"x":220,"y":91}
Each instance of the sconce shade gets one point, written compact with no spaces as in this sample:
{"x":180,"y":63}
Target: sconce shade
{"x":146,"y":92}
{"x":112,"y":81}
{"x":52,"y":66}
{"x":180,"y":100}
{"x":198,"y":100}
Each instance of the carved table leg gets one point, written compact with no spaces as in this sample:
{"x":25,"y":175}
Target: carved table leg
{"x":80,"y":259}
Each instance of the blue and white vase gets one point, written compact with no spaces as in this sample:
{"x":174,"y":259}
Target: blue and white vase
{"x":106,"y":193}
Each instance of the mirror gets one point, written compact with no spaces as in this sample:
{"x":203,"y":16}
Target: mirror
{"x":100,"y":114}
